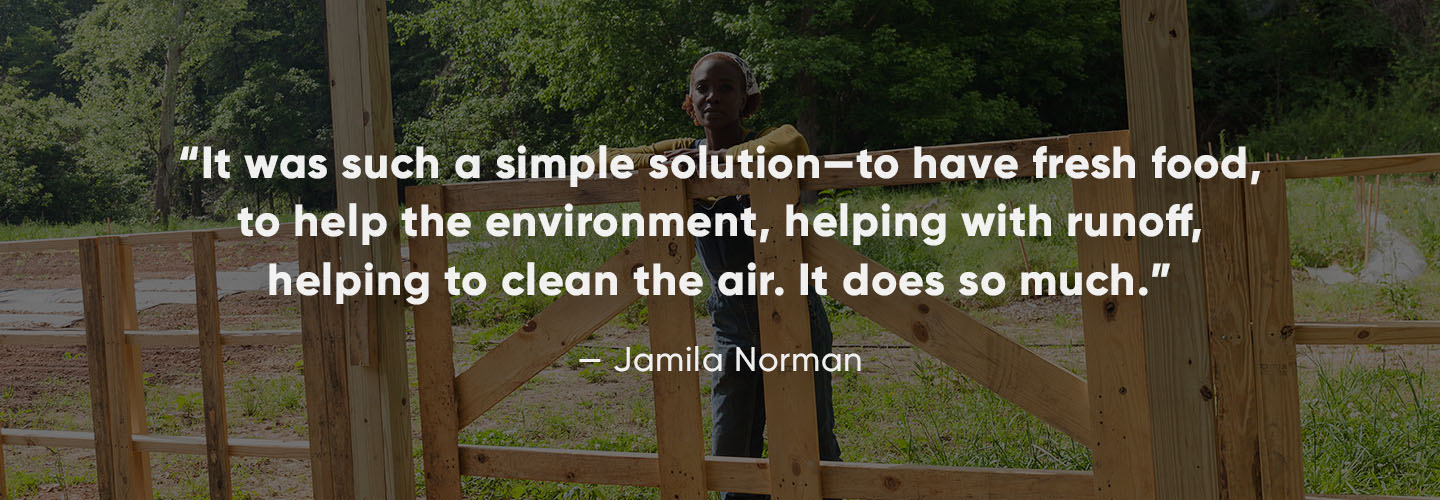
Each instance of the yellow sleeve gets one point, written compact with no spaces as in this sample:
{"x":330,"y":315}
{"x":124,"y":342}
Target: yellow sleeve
{"x":640,"y":155}
{"x":779,"y":141}
{"x":784,"y":140}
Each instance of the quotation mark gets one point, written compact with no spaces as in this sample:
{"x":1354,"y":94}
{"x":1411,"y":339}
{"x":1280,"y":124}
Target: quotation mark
{"x":1160,"y":270}
{"x":189,"y":153}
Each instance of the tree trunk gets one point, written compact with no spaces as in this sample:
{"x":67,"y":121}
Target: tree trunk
{"x":169,"y":91}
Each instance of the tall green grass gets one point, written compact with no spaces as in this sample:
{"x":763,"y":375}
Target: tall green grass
{"x":1373,"y":431}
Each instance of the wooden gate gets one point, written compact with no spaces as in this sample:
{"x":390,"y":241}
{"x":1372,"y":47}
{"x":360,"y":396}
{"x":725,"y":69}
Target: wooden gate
{"x":449,"y":402}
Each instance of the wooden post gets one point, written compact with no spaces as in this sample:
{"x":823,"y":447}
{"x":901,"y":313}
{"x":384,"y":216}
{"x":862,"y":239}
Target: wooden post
{"x":322,"y":333}
{"x":1114,"y":339}
{"x":98,"y":364}
{"x":785,"y":328}
{"x":1160,"y":102}
{"x":1228,"y":270}
{"x":212,"y":375}
{"x":116,"y":389}
{"x":435,"y":353}
{"x":1273,"y":319}
{"x":678,"y":434}
{"x":360,"y":105}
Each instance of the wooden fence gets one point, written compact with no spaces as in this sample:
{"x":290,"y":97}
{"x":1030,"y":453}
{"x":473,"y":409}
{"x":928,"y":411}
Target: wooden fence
{"x":112,"y":341}
{"x":1248,"y":304}
{"x":1248,"y":301}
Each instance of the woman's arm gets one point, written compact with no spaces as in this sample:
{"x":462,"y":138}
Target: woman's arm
{"x":784,"y":140}
{"x":640,"y":155}
{"x":779,"y":141}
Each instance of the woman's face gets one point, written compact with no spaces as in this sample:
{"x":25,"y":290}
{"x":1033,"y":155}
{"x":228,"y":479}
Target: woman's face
{"x":717,"y":93}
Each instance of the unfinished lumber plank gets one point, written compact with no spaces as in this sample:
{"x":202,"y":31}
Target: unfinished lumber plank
{"x":1119,"y":389}
{"x":191,"y":338}
{"x":136,"y":239}
{"x":739,"y":474}
{"x":133,"y":376}
{"x":867,"y":480}
{"x":42,"y":337}
{"x":1036,"y":384}
{"x":267,"y":448}
{"x":1159,"y":99}
{"x":1232,"y":345}
{"x":212,"y":365}
{"x":196,"y":445}
{"x":542,"y":340}
{"x":362,"y":114}
{"x":750,"y":475}
{"x":571,"y":466}
{"x":122,"y":381}
{"x":1364,"y":165}
{"x":1379,"y":332}
{"x":98,"y":365}
{"x":327,"y":404}
{"x":435,"y":355}
{"x":152,"y":338}
{"x":679,"y":438}
{"x":51,"y":439}
{"x":785,"y":329}
{"x":188,"y":445}
{"x":1273,"y":318}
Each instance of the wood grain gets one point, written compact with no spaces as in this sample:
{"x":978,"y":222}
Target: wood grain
{"x":435,"y":356}
{"x":785,"y":328}
{"x":123,"y":377}
{"x":748,"y":475}
{"x":362,"y":114}
{"x":679,"y":438}
{"x":542,"y":340}
{"x":1233,"y":366}
{"x":1033,"y":383}
{"x":327,"y":403}
{"x":1380,"y":332}
{"x":1155,"y":35}
{"x":212,"y":374}
{"x":1273,"y":319}
{"x":1119,"y":388}
{"x":1365,"y":165}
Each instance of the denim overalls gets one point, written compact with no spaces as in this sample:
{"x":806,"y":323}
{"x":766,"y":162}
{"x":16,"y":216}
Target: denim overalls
{"x":738,"y":397}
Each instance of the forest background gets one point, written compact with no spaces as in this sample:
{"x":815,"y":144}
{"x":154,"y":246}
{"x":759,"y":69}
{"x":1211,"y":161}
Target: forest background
{"x":96,"y":96}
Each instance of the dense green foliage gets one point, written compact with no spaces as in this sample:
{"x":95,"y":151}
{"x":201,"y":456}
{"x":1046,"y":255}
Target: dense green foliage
{"x":84,"y":129}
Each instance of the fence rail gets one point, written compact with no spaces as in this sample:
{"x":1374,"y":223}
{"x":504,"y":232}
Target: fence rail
{"x":680,"y":469}
{"x":155,"y":338}
{"x":113,"y":340}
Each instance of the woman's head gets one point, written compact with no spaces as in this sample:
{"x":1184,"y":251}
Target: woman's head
{"x":722,"y":91}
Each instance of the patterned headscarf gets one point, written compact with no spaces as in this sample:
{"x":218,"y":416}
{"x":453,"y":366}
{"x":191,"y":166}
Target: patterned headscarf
{"x":752,"y":87}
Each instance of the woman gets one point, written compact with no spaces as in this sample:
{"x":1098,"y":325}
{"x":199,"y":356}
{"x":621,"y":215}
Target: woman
{"x":722,"y":94}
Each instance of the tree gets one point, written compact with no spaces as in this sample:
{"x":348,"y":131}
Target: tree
{"x":851,"y":74}
{"x":134,"y":58}
{"x":39,"y":148}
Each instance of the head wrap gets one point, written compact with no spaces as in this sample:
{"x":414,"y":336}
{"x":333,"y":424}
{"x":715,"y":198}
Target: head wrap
{"x":752,"y":87}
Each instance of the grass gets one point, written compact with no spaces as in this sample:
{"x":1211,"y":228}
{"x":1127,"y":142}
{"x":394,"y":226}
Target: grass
{"x":1371,"y":431}
{"x":1325,"y":228}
